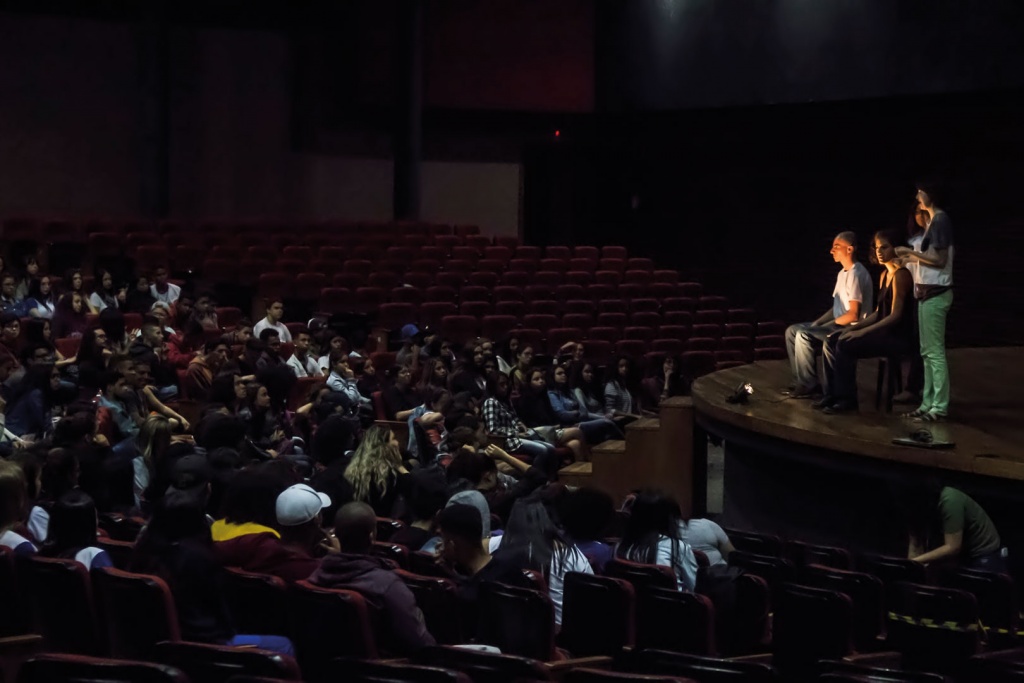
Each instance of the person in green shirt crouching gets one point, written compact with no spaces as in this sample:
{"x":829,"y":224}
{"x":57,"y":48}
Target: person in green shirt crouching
{"x":968,"y":536}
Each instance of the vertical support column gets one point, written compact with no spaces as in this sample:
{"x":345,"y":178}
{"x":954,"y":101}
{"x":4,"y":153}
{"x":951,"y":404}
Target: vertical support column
{"x":155,"y":60}
{"x":679,"y":469}
{"x":408,"y":137}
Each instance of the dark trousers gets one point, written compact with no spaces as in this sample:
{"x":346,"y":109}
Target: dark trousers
{"x":841,"y":359}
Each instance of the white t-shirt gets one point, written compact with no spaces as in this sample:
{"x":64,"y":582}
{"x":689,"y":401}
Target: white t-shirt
{"x":93,"y":557}
{"x":168,"y":297}
{"x":575,"y":561}
{"x":853,"y":285}
{"x":705,"y":536}
{"x":17,"y":542}
{"x":308,"y":369}
{"x":282,"y":331}
{"x":39,"y":523}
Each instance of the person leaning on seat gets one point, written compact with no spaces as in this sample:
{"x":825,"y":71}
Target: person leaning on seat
{"x":851,"y":299}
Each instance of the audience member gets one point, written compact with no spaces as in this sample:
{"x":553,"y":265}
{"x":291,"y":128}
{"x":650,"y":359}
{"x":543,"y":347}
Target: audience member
{"x":203,"y":368}
{"x":393,"y":608}
{"x":342,"y":380}
{"x":652,"y":536}
{"x":105,"y":294}
{"x":707,"y":537}
{"x":31,"y":405}
{"x":664,"y":382}
{"x":301,"y":363}
{"x":139,"y":299}
{"x":621,"y":395}
{"x":400,"y":398}
{"x":275,"y":314}
{"x":176,"y":545}
{"x":569,"y":410}
{"x":271,"y":355}
{"x":13,"y":498}
{"x":72,"y":532}
{"x":376,"y":473}
{"x":534,"y":409}
{"x":524,"y":361}
{"x":42,"y":300}
{"x":162,"y":290}
{"x":501,"y":420}
{"x":968,"y":536}
{"x":586,"y":514}
{"x":69,"y":318}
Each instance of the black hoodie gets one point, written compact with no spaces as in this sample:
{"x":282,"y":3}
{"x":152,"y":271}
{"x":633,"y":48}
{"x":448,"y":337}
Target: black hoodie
{"x":393,"y":612}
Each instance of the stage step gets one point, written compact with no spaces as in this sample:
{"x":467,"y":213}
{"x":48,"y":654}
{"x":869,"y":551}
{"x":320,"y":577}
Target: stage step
{"x":612,"y":447}
{"x":576,"y":474}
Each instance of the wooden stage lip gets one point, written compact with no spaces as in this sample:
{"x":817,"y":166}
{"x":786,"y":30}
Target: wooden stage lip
{"x":986,"y":414}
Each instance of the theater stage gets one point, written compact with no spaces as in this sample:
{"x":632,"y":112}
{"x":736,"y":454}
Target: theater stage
{"x":793,"y":470}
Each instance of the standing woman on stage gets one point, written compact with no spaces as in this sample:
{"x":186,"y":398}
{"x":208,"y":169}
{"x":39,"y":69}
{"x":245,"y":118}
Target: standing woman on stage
{"x":933,"y":289}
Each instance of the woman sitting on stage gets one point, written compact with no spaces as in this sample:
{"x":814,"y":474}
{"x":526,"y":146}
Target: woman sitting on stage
{"x":888,"y":331}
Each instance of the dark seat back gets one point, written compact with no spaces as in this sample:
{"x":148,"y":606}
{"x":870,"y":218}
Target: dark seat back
{"x":518,"y":621}
{"x":891,"y":570}
{"x":809,"y":624}
{"x":774,"y":570}
{"x":997,"y":603}
{"x":425,"y":564}
{"x":584,"y":675}
{"x":598,"y":615}
{"x":437,"y":599}
{"x":642,"y":576}
{"x":61,"y":603}
{"x":704,"y":669}
{"x":935,"y":629}
{"x":834,"y":670}
{"x":801,"y":554}
{"x":1006,"y":666}
{"x":680,"y":622}
{"x":219,"y":663}
{"x":14,"y":617}
{"x":398,"y":554}
{"x":258,"y":602}
{"x":55,"y":668}
{"x":326,"y":623}
{"x":137,"y":610}
{"x":866,"y":593}
{"x":484,"y":666}
{"x":757,"y":543}
{"x":363,"y":671}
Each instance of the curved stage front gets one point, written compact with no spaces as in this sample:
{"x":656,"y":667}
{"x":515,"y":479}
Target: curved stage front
{"x":792,"y":470}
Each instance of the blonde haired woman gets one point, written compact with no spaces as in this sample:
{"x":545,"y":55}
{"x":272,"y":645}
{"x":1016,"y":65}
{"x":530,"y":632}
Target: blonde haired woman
{"x":376,"y":473}
{"x":152,"y":442}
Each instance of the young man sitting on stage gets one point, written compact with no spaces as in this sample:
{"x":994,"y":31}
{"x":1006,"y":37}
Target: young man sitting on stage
{"x":852,"y":296}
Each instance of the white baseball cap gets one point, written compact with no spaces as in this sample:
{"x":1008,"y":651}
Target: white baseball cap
{"x":299,"y":504}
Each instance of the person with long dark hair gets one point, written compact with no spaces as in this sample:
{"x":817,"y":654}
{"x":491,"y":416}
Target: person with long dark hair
{"x":105,"y":295}
{"x":501,"y":420}
{"x":887,"y":331}
{"x":42,"y":298}
{"x":569,"y":409}
{"x":176,"y":545}
{"x":916,"y":225}
{"x":69,"y":319}
{"x":72,"y":532}
{"x":468,"y":374}
{"x":75,"y":283}
{"x":933,"y":289}
{"x":530,"y":534}
{"x":534,"y":408}
{"x":435,"y":375}
{"x":621,"y":390}
{"x":587,"y":388}
{"x":663,"y":381}
{"x":139,"y":299}
{"x":32,"y":405}
{"x":652,"y":536}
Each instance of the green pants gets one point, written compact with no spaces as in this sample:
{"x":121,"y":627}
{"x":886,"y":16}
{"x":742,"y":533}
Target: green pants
{"x":931,"y":322}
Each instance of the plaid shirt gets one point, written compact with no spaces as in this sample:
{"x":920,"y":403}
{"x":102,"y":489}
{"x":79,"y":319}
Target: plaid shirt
{"x":501,"y":420}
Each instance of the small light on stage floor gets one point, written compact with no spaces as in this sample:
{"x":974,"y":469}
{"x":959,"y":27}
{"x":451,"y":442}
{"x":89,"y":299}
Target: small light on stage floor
{"x":743,"y":391}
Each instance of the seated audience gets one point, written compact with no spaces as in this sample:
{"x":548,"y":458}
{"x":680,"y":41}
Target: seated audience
{"x":31,"y":406}
{"x":479,"y":470}
{"x":569,"y":410}
{"x":652,"y":536}
{"x":586,"y":514}
{"x":462,"y":530}
{"x":342,"y":380}
{"x":69,"y":318}
{"x":162,"y":290}
{"x":139,"y":299}
{"x":621,"y":391}
{"x":524,"y":361}
{"x":301,"y":363}
{"x":203,"y":368}
{"x":13,"y":496}
{"x":428,"y":497}
{"x":501,"y":420}
{"x":376,"y":474}
{"x":270,"y":357}
{"x":272,"y":321}
{"x":534,"y":409}
{"x":664,"y":382}
{"x":709,"y":538}
{"x":42,"y":299}
{"x":468,"y":374}
{"x":400,"y":397}
{"x":176,"y":545}
{"x":105,"y":294}
{"x":393,"y":609}
{"x":531,"y":534}
{"x":587,"y":389}
{"x":72,"y":532}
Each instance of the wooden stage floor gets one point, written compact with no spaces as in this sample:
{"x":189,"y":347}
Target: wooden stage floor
{"x":986,"y":419}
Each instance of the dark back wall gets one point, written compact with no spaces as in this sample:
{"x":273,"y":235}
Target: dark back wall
{"x":748,"y":199}
{"x":669,"y":54}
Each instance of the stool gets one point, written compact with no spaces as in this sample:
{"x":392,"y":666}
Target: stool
{"x":889,"y":382}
